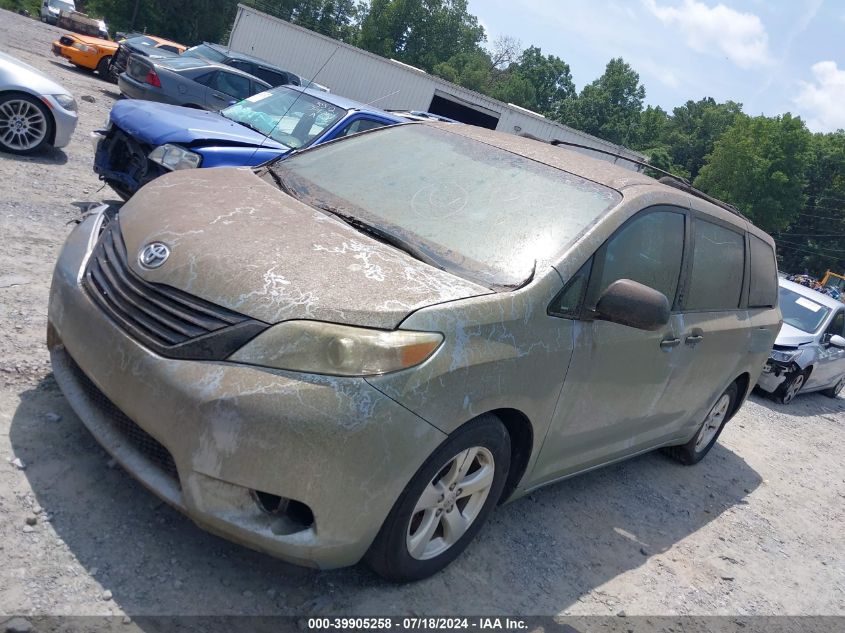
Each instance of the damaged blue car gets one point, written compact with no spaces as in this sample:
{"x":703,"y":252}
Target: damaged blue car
{"x":143,"y":139}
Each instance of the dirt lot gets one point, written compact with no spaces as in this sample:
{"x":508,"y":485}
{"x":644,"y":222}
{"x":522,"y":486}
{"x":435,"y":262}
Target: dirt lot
{"x":757,"y":528}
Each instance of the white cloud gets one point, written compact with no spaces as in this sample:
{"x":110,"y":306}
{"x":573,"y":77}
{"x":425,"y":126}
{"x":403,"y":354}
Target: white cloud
{"x":820,"y":101}
{"x":719,"y":30}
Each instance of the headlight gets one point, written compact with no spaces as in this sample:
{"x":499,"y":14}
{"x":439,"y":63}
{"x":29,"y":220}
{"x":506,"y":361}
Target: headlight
{"x":84,"y":47}
{"x":785,"y":357}
{"x":66,"y":101}
{"x":175,"y":157}
{"x":339,"y":350}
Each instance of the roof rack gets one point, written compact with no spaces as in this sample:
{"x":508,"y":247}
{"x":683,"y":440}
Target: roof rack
{"x":669,"y":179}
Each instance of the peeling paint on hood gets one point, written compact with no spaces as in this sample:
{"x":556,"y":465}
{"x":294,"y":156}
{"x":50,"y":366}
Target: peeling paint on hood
{"x":239,"y":242}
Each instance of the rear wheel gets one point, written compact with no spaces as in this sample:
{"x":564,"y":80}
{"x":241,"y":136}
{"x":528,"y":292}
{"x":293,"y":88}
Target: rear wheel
{"x":836,"y":389}
{"x":694,"y":451}
{"x":445,"y":504}
{"x":103,"y":67}
{"x":26,"y":124}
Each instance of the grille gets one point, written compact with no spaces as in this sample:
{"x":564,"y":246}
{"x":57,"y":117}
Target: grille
{"x":134,"y":435}
{"x":120,"y":58}
{"x":64,"y":40}
{"x":167,"y":320}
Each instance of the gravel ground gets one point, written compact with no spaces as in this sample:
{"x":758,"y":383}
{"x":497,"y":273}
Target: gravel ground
{"x":757,"y":528}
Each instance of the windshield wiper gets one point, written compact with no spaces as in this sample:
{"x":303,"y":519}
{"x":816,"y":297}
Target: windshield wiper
{"x":382,"y":235}
{"x":281,"y":184}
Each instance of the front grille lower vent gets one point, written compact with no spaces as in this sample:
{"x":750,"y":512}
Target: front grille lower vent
{"x":169,"y":321}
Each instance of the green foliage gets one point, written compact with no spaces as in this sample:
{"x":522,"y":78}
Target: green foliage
{"x":759,"y":165}
{"x":421,"y":33}
{"x":610,"y":106}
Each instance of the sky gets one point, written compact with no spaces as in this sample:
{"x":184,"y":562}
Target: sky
{"x":773,"y":56}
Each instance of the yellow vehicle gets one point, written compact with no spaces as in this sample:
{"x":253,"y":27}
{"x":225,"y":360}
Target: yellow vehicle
{"x":834,"y":280}
{"x":85,"y":51}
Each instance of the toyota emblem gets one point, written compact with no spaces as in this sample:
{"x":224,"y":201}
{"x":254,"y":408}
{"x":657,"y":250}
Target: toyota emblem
{"x":153,"y":255}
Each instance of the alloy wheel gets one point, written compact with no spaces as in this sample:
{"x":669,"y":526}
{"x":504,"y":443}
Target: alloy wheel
{"x":23,"y":125}
{"x":713,"y":422}
{"x":450,"y":503}
{"x":793,"y":388}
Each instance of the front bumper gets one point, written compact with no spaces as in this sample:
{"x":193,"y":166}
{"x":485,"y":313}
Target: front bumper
{"x":773,"y":376}
{"x":336,"y":445}
{"x":65,"y":121}
{"x":123,"y":161}
{"x":76,"y":57}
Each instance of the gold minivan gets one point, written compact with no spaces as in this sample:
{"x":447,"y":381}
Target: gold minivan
{"x":359,"y":351}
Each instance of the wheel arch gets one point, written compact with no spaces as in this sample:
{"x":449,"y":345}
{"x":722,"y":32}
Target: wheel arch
{"x":521,"y":433}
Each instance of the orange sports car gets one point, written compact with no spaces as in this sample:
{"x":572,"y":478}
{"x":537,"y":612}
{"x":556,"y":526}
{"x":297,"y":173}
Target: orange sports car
{"x":86,"y":51}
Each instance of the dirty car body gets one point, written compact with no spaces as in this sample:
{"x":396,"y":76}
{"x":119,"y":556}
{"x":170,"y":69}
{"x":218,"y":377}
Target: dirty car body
{"x":85,"y":51}
{"x":809,"y":352}
{"x":263,"y":127}
{"x":293,"y":355}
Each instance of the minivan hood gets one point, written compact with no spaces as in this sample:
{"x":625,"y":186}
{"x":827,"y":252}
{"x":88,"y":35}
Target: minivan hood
{"x":237,"y":241}
{"x":790,"y":336}
{"x":159,"y":123}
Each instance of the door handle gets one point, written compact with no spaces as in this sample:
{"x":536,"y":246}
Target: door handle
{"x":693,"y":339}
{"x":669,"y":343}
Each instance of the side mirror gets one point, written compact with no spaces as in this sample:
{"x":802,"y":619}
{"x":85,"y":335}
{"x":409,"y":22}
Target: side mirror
{"x":630,"y":303}
{"x":837,"y":341}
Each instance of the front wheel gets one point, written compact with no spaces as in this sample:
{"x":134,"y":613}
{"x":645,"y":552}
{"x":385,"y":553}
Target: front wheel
{"x":25,"y":124}
{"x":790,"y":388}
{"x":103,"y":67}
{"x":445,"y":504}
{"x":694,"y":451}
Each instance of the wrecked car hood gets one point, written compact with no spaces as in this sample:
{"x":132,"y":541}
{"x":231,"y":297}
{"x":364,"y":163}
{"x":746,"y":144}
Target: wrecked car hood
{"x":792,"y":337}
{"x":239,"y":242}
{"x":159,"y":123}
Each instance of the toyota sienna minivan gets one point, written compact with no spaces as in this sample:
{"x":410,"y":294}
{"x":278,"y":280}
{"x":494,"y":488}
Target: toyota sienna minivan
{"x":358,"y":352}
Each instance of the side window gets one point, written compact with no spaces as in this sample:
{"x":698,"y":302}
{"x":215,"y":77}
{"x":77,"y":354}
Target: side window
{"x":718,"y":267}
{"x":648,"y":250}
{"x":271,"y":77}
{"x":208,"y":79}
{"x":236,"y":86}
{"x":763,"y":284}
{"x":241,"y":65}
{"x":568,"y":301}
{"x":360,"y":125}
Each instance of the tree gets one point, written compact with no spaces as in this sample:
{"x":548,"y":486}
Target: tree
{"x":548,"y":75}
{"x":610,"y":106}
{"x":815,"y":242}
{"x":759,"y":165}
{"x":694,"y":128}
{"x":422,"y":33}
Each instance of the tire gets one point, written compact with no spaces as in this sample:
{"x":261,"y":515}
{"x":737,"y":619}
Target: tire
{"x":711,"y":428}
{"x":26,"y":125}
{"x":790,"y":388}
{"x":487,"y":443}
{"x":835,"y":390}
{"x":103,"y":67}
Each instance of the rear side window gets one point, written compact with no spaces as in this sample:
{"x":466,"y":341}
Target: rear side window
{"x":233,"y":85}
{"x":360,"y":125}
{"x":271,"y":77}
{"x":648,"y":250}
{"x":763,"y":284}
{"x":718,"y":267}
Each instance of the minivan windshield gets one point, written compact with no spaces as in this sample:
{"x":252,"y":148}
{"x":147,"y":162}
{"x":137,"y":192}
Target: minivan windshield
{"x":288,"y":116}
{"x":801,"y":312}
{"x":478,"y":211}
{"x":63,"y":5}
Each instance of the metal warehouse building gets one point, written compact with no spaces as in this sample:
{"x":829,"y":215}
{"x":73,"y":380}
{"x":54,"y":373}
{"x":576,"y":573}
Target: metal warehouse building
{"x":389,"y":84}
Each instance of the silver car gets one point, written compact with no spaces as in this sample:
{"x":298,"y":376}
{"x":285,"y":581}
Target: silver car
{"x":35,"y":111}
{"x":187,"y":81}
{"x":809,"y":352}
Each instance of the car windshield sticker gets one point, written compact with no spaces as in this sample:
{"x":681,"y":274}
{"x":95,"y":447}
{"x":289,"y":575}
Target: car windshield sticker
{"x":801,"y":301}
